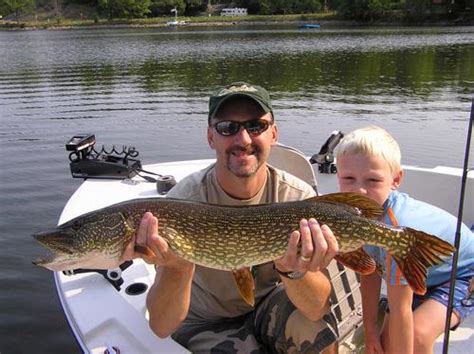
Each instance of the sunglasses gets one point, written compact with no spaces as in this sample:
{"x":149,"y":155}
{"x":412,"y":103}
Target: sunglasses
{"x":230,"y":127}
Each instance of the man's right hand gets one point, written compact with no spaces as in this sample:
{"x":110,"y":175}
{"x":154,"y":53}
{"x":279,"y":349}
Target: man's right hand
{"x":147,"y":236}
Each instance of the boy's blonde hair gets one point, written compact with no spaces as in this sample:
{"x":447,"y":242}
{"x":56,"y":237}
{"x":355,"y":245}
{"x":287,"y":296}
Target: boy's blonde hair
{"x":372,"y":140}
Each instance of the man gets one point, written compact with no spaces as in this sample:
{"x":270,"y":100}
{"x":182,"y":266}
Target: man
{"x":202,"y":308}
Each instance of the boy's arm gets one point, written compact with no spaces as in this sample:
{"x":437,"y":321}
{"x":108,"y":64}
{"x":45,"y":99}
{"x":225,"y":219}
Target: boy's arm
{"x":370,"y":291}
{"x":400,"y":326}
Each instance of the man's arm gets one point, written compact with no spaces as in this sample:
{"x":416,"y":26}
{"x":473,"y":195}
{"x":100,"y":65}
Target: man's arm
{"x":169,"y":298}
{"x":170,"y":295}
{"x":309,"y":294}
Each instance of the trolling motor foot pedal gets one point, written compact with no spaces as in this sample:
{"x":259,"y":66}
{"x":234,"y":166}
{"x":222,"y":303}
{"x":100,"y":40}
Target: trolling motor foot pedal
{"x":325,"y":157}
{"x":86,"y":162}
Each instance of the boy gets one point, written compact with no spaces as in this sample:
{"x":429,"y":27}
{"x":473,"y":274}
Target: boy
{"x":368,"y":162}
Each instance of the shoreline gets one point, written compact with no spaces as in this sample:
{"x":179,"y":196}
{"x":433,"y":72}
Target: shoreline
{"x":326,"y":20}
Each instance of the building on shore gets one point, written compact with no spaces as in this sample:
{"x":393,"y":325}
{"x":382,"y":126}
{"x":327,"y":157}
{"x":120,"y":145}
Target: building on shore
{"x":234,"y":11}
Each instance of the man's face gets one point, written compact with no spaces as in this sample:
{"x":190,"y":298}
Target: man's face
{"x":368,"y":175}
{"x":242,"y":154}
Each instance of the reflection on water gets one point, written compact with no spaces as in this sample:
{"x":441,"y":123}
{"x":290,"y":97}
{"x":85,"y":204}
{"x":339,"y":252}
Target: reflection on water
{"x":149,"y":88}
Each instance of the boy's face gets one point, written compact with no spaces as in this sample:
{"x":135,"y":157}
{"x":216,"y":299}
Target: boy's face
{"x":368,"y":175}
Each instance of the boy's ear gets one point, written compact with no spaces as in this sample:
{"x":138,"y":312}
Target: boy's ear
{"x":397,"y":179}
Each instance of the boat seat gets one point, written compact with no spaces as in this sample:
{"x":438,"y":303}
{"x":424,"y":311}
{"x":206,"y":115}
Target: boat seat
{"x":346,"y":300}
{"x":293,"y":161}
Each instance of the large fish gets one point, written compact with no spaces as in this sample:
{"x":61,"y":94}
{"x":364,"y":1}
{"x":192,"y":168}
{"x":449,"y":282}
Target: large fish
{"x":230,"y":238}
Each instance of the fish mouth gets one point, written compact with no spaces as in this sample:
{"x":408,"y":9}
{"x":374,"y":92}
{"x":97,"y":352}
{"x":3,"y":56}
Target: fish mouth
{"x":56,"y":240}
{"x":61,"y":251}
{"x":44,"y":260}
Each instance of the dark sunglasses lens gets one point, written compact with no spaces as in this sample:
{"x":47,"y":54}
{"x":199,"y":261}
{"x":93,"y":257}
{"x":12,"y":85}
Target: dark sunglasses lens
{"x":227,"y":128}
{"x":256,"y":127}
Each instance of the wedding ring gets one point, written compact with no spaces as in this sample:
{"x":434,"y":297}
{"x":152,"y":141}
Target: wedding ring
{"x":305,"y":259}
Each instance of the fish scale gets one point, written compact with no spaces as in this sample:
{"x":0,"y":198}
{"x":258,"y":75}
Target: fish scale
{"x":229,"y":237}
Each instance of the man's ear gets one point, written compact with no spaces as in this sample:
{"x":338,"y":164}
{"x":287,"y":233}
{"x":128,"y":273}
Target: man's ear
{"x":274,"y":134}
{"x":397,"y":179}
{"x":210,"y":137}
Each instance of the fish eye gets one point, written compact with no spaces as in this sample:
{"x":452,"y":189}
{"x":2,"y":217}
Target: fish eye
{"x":76,"y":225}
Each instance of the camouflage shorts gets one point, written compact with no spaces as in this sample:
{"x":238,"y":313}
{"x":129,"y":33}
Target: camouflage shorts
{"x":276,"y":326}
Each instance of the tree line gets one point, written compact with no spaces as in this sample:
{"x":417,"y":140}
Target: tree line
{"x":362,"y":10}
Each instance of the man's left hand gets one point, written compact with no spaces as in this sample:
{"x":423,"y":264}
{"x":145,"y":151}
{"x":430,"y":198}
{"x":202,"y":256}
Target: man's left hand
{"x":318,"y":248}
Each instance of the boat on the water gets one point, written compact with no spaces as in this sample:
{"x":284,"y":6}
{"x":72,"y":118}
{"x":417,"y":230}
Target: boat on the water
{"x":176,"y":23}
{"x":310,"y":25}
{"x":107,"y":311}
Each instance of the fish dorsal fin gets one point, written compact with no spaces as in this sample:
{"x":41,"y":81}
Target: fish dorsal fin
{"x":366,"y":206}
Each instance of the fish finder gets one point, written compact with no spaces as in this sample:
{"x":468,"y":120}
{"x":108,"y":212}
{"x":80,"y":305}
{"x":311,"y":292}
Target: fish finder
{"x":80,"y":142}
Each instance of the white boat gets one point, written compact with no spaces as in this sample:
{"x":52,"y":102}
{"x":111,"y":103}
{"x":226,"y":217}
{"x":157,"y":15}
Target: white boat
{"x":104,"y":318}
{"x":176,"y":23}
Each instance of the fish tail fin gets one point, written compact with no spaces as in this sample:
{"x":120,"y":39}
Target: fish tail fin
{"x":425,"y":251}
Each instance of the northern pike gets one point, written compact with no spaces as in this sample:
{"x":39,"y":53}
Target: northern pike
{"x":230,"y":238}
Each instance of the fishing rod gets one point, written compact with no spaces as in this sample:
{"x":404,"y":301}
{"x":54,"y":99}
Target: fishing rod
{"x":457,"y":241}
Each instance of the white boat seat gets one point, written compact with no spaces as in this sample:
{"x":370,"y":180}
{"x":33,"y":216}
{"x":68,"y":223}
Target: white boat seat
{"x":293,"y":161}
{"x":346,"y":301}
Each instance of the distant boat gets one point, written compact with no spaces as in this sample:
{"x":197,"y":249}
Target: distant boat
{"x":176,"y":23}
{"x":310,"y":25}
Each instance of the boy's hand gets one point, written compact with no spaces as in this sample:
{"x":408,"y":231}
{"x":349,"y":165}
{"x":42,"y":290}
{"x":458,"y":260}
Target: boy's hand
{"x":372,"y":343}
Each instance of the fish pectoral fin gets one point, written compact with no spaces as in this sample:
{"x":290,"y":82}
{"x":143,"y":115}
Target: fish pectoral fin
{"x":358,"y":260}
{"x":368,"y":207}
{"x":245,"y":284}
{"x":143,"y":249}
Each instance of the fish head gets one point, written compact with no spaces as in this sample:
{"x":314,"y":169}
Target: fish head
{"x":92,"y":241}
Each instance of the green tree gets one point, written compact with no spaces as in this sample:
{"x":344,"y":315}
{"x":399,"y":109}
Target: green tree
{"x":125,"y":8}
{"x":163,"y":7}
{"x":17,"y":7}
{"x":194,"y":7}
{"x":307,"y":6}
{"x":365,"y":10}
{"x":261,"y":7}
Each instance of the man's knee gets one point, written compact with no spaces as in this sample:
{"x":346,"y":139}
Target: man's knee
{"x":331,"y":349}
{"x":312,"y":336}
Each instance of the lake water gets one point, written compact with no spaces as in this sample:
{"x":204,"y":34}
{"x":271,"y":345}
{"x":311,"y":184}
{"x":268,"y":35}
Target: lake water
{"x":148,"y":88}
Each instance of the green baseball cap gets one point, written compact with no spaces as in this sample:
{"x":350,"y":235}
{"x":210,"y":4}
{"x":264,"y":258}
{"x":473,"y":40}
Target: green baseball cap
{"x":256,"y":93}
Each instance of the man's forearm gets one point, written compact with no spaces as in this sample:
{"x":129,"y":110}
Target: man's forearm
{"x":169,"y":298}
{"x":310,"y":294}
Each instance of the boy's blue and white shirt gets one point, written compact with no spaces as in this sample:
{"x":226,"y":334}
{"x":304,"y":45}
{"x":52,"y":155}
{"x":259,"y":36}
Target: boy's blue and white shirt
{"x":430,"y":219}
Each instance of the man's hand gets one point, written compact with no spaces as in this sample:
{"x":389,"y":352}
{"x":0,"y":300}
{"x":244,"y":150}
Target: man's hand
{"x":318,"y":248}
{"x":147,"y":235}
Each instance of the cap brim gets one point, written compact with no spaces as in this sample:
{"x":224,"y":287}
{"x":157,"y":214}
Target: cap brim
{"x":225,"y":99}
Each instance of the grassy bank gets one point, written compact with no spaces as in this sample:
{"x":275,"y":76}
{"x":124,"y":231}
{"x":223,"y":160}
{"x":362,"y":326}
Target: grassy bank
{"x":161,"y":21}
{"x":326,"y":18}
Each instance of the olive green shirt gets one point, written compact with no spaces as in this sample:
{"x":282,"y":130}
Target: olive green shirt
{"x":214,"y":294}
